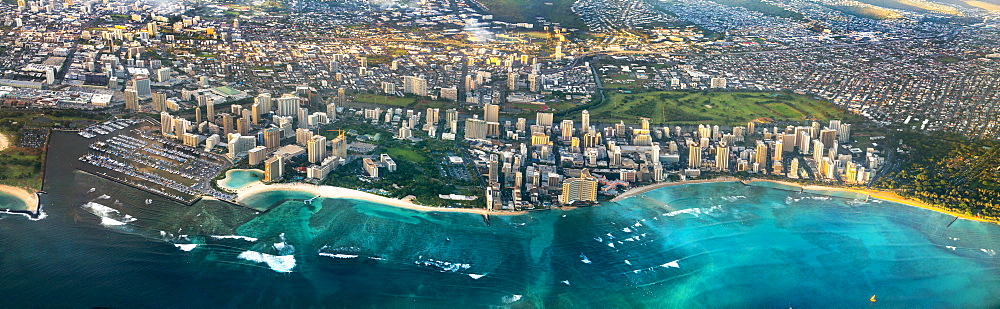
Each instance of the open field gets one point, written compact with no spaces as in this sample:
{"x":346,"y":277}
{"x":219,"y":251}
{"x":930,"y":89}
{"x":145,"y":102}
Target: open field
{"x":722,"y":108}
{"x":415,"y":103}
{"x":21,"y":167}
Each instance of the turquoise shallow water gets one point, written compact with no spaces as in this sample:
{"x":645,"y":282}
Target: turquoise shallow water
{"x":238,"y":179}
{"x":706,"y":245}
{"x":11,"y":202}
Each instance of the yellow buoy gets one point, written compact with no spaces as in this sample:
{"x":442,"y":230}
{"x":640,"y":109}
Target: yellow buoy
{"x":873,"y":298}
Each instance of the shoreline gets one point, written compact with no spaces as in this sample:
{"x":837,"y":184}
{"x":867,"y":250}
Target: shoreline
{"x":881,"y":195}
{"x":228,"y":176}
{"x":29,"y":198}
{"x":338,"y":192}
{"x":640,"y":190}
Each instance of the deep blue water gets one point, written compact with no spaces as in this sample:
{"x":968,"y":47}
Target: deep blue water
{"x":705,"y":245}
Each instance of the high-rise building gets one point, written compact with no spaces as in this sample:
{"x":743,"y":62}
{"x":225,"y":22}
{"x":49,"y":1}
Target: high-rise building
{"x":585,"y":122}
{"x":543,"y":119}
{"x":210,"y":110}
{"x":722,"y":158}
{"x":131,"y":100}
{"x":566,"y":129}
{"x":159,"y":101}
{"x":694,"y":155}
{"x":166,"y":123}
{"x":433,"y":116}
{"x":760,"y":155}
{"x":142,"y":86}
{"x":272,"y":139}
{"x":828,"y":137}
{"x":273,"y":168}
{"x":226,"y":121}
{"x":257,"y":155}
{"x":331,"y":111}
{"x":817,"y":150}
{"x":475,"y":128}
{"x":579,"y":189}
{"x":339,"y":147}
{"x":451,"y":117}
{"x":288,"y":105}
{"x":302,"y":136}
{"x":317,"y":149}
{"x":491,"y":112}
{"x":415,"y":85}
{"x":264,"y":99}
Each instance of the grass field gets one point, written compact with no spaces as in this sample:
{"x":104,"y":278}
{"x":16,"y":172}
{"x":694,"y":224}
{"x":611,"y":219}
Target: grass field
{"x":21,"y":167}
{"x":414,"y":103}
{"x":722,"y":108}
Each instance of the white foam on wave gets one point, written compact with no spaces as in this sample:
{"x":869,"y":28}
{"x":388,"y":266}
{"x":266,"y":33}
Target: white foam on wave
{"x":91,"y":190}
{"x":611,"y":244}
{"x":691,"y":211}
{"x":109,"y":216}
{"x":991,"y":252}
{"x":673,"y":264}
{"x":566,"y":282}
{"x":278,"y":263}
{"x":511,"y":299}
{"x":732,"y":198}
{"x":339,"y":255}
{"x":477,"y":276}
{"x":627,"y":230}
{"x":186,"y":247}
{"x":584,"y":259}
{"x":444,"y":266}
{"x":951,"y":247}
{"x":250,"y":239}
{"x":627,"y":262}
{"x":104,"y":197}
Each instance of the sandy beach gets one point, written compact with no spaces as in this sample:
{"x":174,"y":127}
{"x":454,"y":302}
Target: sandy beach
{"x":4,"y":141}
{"x":640,"y":190}
{"x":882,"y":195}
{"x":29,"y":197}
{"x":338,"y":192}
{"x":229,"y":175}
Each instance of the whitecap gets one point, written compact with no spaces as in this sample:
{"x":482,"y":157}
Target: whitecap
{"x":477,"y":276}
{"x":104,"y":197}
{"x":611,"y":244}
{"x":989,"y":251}
{"x":186,"y":247}
{"x":951,"y":247}
{"x":627,"y":230}
{"x":250,"y":239}
{"x":691,"y":211}
{"x":511,"y":299}
{"x":673,"y":264}
{"x":339,"y":255}
{"x":584,"y":259}
{"x":91,"y":190}
{"x":627,"y":262}
{"x":109,"y":216}
{"x":278,"y":263}
{"x":637,"y":224}
{"x":566,"y":282}
{"x":598,"y":239}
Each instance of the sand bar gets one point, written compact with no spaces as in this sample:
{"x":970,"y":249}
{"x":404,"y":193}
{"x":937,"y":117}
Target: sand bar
{"x":28,"y":196}
{"x":338,"y":192}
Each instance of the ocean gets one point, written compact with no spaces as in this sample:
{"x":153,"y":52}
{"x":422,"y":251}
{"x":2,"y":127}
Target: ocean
{"x":700,"y":245}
